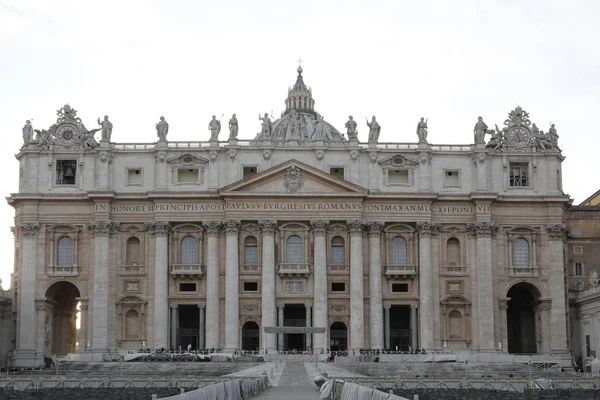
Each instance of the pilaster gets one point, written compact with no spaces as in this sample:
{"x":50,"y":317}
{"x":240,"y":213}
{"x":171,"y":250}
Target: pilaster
{"x":319,"y":228}
{"x":160,"y":230}
{"x":357,"y":302}
{"x":268,"y":228}
{"x":375,"y":289}
{"x":213,"y":229}
{"x":556,"y":237}
{"x":232,"y":306}
{"x":426,"y":325}
{"x":308,"y":307}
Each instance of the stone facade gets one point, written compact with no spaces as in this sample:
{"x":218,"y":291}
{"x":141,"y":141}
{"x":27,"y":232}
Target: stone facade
{"x":203,"y":244}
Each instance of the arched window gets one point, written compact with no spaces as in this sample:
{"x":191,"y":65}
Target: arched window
{"x":64,"y":252}
{"x":455,"y":325}
{"x":132,"y":256}
{"x":293,"y":250}
{"x":521,"y":253}
{"x":189,"y":250}
{"x":132,"y":324}
{"x":338,"y":255}
{"x":250,"y":251}
{"x":453,"y":252}
{"x":398,"y":251}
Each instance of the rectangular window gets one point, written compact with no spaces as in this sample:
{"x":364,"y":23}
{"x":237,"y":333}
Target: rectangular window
{"x":337,"y":172}
{"x":578,"y":269}
{"x":187,"y":287}
{"x":66,"y":171}
{"x":185,"y":175}
{"x":400,"y":287}
{"x":338,"y":286}
{"x":577,"y":249}
{"x":398,"y":177}
{"x":519,"y":175}
{"x":249,"y":172}
{"x":451,"y":177}
{"x":250,"y":286}
{"x":337,"y":255}
{"x":134,"y":177}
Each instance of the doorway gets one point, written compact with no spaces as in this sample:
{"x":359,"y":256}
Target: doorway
{"x":400,"y":327}
{"x":520,"y":318}
{"x":250,"y":336}
{"x":294,"y":315}
{"x":188,"y":333}
{"x":338,"y":336}
{"x":60,"y":324}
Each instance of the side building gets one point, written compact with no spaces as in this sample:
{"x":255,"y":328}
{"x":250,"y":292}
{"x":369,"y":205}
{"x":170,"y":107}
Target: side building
{"x":223,"y":244}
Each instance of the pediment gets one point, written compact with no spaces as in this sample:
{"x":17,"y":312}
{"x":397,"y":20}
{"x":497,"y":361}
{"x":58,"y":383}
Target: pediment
{"x":398,"y":160}
{"x":187,"y":159}
{"x":294,"y":178}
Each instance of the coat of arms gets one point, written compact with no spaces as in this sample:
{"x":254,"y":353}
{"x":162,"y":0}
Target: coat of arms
{"x":293,"y":179}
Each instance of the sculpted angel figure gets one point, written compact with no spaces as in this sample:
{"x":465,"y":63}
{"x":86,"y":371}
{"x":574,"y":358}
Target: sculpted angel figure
{"x":162,"y":128}
{"x":106,"y":127}
{"x":374,"y":130}
{"x":27,"y":132}
{"x":266,"y":126}
{"x":233,"y":127}
{"x":422,"y":130}
{"x":351,"y":128}
{"x":215,"y":128}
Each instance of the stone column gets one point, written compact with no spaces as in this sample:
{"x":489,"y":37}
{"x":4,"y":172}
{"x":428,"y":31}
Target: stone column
{"x":160,"y":230}
{"x":320,"y":283}
{"x":83,"y":326}
{"x":201,"y":327}
{"x":308,"y":325}
{"x":375,"y":291}
{"x":101,"y":230}
{"x":25,"y":351}
{"x":232,"y":305}
{"x":280,"y":324}
{"x":41,"y":326}
{"x":268,"y":283}
{"x":485,"y":283}
{"x":414,"y":332}
{"x":212,"y":284}
{"x":558,"y":325}
{"x":425,"y":230}
{"x":174,"y":326}
{"x":503,"y":305}
{"x":357,"y":297}
{"x":386,"y":335}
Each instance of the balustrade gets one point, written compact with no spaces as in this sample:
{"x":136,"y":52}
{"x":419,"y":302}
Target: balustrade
{"x":186,"y":270}
{"x":293,"y":269}
{"x":398,"y":270}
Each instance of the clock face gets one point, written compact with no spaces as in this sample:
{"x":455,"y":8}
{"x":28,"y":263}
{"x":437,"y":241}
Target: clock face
{"x":519,"y":136}
{"x":66,"y":134}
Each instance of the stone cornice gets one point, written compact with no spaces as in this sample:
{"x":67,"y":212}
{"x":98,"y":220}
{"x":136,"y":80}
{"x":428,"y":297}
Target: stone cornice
{"x":158,"y":228}
{"x":268,"y":226}
{"x":482,"y":229}
{"x":103,"y":228}
{"x":319,"y":227}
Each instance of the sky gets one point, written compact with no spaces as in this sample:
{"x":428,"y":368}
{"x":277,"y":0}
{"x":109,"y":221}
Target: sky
{"x":448,"y":61}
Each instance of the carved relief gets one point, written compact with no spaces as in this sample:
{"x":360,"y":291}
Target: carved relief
{"x":106,"y":156}
{"x":425,"y":158}
{"x":338,"y":308}
{"x":294,"y":286}
{"x":232,"y":153}
{"x":556,"y":232}
{"x":250,"y":308}
{"x":319,"y":155}
{"x":103,"y":228}
{"x":267,"y":154}
{"x":354,"y":156}
{"x":373,"y":157}
{"x":293,"y":179}
{"x":160,"y":157}
{"x":29,"y":229}
{"x":213,"y":156}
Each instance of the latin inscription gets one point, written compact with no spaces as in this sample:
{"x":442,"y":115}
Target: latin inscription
{"x":289,"y":206}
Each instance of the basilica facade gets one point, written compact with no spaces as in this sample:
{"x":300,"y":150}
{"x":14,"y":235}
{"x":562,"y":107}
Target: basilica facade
{"x":301,"y":238}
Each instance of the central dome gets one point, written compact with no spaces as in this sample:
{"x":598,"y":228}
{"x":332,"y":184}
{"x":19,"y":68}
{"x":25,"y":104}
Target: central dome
{"x":299,"y":120}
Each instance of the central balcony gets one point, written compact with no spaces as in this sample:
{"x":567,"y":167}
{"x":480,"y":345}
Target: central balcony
{"x":71,"y":270}
{"x":400,"y":271}
{"x":186,"y":271}
{"x":250,"y":269}
{"x":294,"y":270}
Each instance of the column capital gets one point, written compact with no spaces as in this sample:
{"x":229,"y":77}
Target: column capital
{"x":280,"y":305}
{"x":268,"y":226}
{"x":201,"y":305}
{"x":355,"y":227}
{"x":232,"y":226}
{"x":103,"y":228}
{"x":319,"y":226}
{"x":173,"y":306}
{"x":213,"y":227}
{"x":387,"y":306}
{"x":158,"y":228}
{"x":374,"y":228}
{"x":29,"y":228}
{"x":556,"y":232}
{"x":307,"y":305}
{"x":414,"y":306}
{"x":482,"y":229}
{"x":427,"y":229}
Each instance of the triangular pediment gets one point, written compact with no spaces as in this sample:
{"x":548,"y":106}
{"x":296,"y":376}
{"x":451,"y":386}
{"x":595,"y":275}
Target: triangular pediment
{"x":293,"y":178}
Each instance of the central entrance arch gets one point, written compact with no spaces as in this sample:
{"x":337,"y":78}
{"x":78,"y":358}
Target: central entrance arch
{"x":250,"y":336}
{"x":338,"y":336}
{"x":520,"y":318}
{"x":61,"y":318}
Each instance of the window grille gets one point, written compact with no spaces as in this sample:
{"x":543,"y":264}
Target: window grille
{"x":578,"y":269}
{"x":398,"y":251}
{"x":133,"y":251}
{"x":64,"y":252}
{"x":338,"y":256}
{"x":293,"y":250}
{"x":453,"y":252}
{"x":189,"y":250}
{"x":521,"y":253}
{"x":519,"y":174}
{"x":251,"y":251}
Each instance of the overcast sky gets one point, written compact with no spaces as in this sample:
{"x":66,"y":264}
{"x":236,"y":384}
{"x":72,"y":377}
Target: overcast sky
{"x":449,"y":61}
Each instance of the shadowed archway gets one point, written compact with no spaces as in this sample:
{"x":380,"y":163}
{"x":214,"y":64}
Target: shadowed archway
{"x":521,"y":320}
{"x":338,"y":336}
{"x":60,"y":323}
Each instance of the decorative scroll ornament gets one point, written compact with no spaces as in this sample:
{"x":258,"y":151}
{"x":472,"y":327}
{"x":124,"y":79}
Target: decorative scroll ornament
{"x":103,"y":228}
{"x":425,"y":158}
{"x":373,"y":157}
{"x":106,"y":156}
{"x":482,"y":229}
{"x":337,"y":308}
{"x":232,"y":227}
{"x":355,"y":227}
{"x":158,"y":228}
{"x":354,"y":156}
{"x":160,"y":157}
{"x":319,"y":227}
{"x":293,"y":179}
{"x":68,"y":131}
{"x":268,"y":226}
{"x":213,"y":156}
{"x":319,"y":155}
{"x":267,"y":154}
{"x":232,"y":153}
{"x":213,"y":227}
{"x":556,"y":232}
{"x":426,"y":229}
{"x":250,"y":307}
{"x":29,"y":229}
{"x":374,"y":228}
